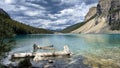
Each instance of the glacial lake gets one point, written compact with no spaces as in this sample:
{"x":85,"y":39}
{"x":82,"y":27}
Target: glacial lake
{"x":107,"y":46}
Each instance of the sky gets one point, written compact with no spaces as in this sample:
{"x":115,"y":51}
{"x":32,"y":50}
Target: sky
{"x":48,"y":14}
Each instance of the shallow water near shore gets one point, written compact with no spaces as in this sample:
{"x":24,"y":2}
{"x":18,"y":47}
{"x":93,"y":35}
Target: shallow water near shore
{"x":98,"y":49}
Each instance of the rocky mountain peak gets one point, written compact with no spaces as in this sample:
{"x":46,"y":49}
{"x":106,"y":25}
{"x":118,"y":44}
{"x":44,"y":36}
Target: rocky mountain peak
{"x":103,"y":7}
{"x":110,"y":11}
{"x":106,"y":20}
{"x":114,"y":15}
{"x":92,"y":11}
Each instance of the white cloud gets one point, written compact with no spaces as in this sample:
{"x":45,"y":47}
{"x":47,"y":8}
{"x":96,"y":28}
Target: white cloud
{"x":34,"y":5}
{"x":8,"y":1}
{"x":39,"y":16}
{"x":31,"y":13}
{"x":52,"y":16}
{"x":22,"y":8}
{"x":71,"y":1}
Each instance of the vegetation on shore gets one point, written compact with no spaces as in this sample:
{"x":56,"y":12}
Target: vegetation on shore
{"x":5,"y":46}
{"x":11,"y":26}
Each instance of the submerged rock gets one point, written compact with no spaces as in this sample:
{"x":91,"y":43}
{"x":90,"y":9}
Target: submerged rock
{"x":97,"y":62}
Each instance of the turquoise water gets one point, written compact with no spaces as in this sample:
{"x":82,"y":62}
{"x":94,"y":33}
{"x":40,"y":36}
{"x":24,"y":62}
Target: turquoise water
{"x":104,"y":45}
{"x":78,"y":43}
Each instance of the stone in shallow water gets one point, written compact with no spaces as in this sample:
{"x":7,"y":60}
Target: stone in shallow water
{"x":97,"y":62}
{"x":48,"y":65}
{"x":50,"y":61}
{"x":78,"y":63}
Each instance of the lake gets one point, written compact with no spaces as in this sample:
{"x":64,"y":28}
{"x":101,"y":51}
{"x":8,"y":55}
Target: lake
{"x":100,"y":46}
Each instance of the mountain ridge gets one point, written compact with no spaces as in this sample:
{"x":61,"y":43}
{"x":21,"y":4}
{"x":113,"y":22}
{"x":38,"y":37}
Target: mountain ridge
{"x":10,"y":26}
{"x":107,"y":19}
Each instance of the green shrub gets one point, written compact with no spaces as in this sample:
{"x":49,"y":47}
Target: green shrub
{"x":25,"y":63}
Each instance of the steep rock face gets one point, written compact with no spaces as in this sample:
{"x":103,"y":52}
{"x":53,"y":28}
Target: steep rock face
{"x":103,"y":7}
{"x":92,"y":12}
{"x":114,"y":15}
{"x":110,"y":9}
{"x":107,"y":19}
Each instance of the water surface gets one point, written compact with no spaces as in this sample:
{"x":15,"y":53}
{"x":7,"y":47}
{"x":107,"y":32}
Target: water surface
{"x":106,"y":46}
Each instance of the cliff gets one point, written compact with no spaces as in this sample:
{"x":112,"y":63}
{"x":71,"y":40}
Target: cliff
{"x":105,"y":18}
{"x":92,"y":12}
{"x":114,"y":15}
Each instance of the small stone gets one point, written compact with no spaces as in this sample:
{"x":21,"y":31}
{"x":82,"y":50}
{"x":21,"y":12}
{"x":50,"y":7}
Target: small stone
{"x":46,"y":66}
{"x":95,"y":65}
{"x":50,"y":61}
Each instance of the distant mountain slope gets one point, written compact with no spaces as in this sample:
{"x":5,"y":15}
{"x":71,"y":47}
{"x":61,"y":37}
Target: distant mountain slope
{"x":106,"y":20}
{"x":8,"y":25}
{"x":71,"y":28}
{"x":76,"y":26}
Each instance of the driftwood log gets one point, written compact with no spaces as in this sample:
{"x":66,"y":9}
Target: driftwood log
{"x":41,"y":55}
{"x":36,"y":47}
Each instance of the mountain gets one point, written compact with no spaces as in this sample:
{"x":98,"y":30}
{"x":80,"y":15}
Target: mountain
{"x":88,"y":17}
{"x":71,"y":28}
{"x":3,"y":13}
{"x":9,"y":26}
{"x":105,"y":18}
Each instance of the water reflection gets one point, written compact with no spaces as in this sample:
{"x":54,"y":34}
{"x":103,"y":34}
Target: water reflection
{"x":102,"y":39}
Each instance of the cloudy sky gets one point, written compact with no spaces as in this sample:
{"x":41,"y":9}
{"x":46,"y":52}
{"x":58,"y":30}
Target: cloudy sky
{"x":49,"y":14}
